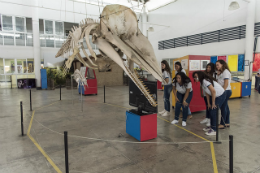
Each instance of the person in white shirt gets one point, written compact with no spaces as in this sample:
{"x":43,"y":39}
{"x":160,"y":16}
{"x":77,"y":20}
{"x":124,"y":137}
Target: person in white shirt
{"x":215,"y":97}
{"x":178,"y":69}
{"x":210,"y":70}
{"x":166,"y":70}
{"x":224,"y":78}
{"x":182,"y":89}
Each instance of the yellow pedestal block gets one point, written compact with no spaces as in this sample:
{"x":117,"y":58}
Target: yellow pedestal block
{"x":236,"y":90}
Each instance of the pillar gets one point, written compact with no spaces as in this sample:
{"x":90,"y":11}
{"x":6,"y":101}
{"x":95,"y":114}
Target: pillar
{"x":250,"y":25}
{"x":36,"y":43}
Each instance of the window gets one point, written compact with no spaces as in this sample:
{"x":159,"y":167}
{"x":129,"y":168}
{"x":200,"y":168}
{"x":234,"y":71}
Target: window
{"x":19,"y":24}
{"x":9,"y":66}
{"x":21,"y":66}
{"x":41,"y":26}
{"x":49,"y":41}
{"x":59,"y":28}
{"x":28,"y":25}
{"x":0,"y":23}
{"x":7,"y":23}
{"x":20,"y":39}
{"x":48,"y":25}
{"x":29,"y":40}
{"x":1,"y":40}
{"x":1,"y":66}
{"x":30,"y":65}
{"x":8,"y":38}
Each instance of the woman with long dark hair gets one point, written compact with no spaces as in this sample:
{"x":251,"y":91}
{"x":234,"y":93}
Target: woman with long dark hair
{"x":182,"y":89}
{"x":166,"y":70}
{"x":215,"y":95}
{"x":210,"y":70}
{"x":178,"y":69}
{"x":224,"y":78}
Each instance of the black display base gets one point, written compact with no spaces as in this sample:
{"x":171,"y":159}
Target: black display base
{"x":38,"y":88}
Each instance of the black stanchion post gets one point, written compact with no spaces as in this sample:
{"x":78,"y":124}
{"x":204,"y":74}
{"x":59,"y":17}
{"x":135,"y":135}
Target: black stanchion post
{"x":66,"y":151}
{"x":104,"y":94}
{"x":60,"y":92}
{"x":30,"y":100}
{"x":217,"y":141}
{"x":21,"y":108}
{"x":230,"y":153}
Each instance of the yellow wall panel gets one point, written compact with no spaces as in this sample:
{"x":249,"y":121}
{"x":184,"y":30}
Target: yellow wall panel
{"x":233,"y":62}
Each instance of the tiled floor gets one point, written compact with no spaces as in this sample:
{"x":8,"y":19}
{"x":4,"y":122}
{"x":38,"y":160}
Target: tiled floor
{"x":107,"y":122}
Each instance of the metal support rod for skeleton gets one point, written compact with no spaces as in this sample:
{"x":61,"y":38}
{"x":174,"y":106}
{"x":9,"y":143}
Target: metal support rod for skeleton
{"x":81,"y":96}
{"x":60,"y":92}
{"x":71,"y":80}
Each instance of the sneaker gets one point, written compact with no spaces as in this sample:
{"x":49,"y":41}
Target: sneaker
{"x":206,"y":129}
{"x":204,"y":121}
{"x":189,"y":117}
{"x":208,"y":123}
{"x":211,"y":132}
{"x":166,"y":113}
{"x":183,"y":123}
{"x":174,"y":122}
{"x":162,"y":112}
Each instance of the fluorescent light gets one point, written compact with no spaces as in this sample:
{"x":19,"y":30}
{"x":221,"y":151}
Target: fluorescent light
{"x":10,"y":34}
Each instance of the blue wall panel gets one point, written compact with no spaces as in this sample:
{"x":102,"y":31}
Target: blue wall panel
{"x":214,"y":59}
{"x":241,"y":62}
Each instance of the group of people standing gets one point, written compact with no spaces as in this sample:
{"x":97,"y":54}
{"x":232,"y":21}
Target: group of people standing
{"x":215,"y":88}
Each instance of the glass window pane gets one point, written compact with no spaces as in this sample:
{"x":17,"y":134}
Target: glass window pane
{"x":28,"y":25}
{"x":19,"y":23}
{"x":1,"y":66}
{"x":8,"y":38}
{"x":59,"y":28}
{"x":48,"y":27}
{"x":7,"y":23}
{"x":20,"y":39}
{"x":42,"y":41}
{"x":59,"y":41}
{"x":29,"y":40}
{"x":49,"y":41}
{"x":5,"y":81}
{"x":30,"y":65}
{"x":9,"y":66}
{"x":21,"y":65}
{"x":1,"y":39}
{"x":0,"y":23}
{"x":41,"y":26}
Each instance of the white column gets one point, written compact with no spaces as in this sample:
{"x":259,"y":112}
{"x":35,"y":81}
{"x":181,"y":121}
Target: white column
{"x":250,"y":25}
{"x":144,"y":21}
{"x":36,"y":43}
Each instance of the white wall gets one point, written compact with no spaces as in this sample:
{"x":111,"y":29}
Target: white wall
{"x":188,"y":17}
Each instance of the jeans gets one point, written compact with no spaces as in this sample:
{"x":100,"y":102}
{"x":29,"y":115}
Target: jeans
{"x":179,"y":105}
{"x":166,"y":97}
{"x":225,"y":112}
{"x":213,"y":112}
{"x":189,"y":112}
{"x":207,"y":110}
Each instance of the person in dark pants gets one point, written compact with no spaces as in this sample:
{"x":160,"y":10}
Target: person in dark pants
{"x":215,"y":97}
{"x":210,"y":70}
{"x":224,"y":78}
{"x":166,"y":73}
{"x":182,"y":89}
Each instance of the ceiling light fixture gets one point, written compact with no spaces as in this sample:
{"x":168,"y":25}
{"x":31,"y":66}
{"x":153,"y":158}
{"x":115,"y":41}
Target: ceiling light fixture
{"x":151,"y":29}
{"x":233,"y":6}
